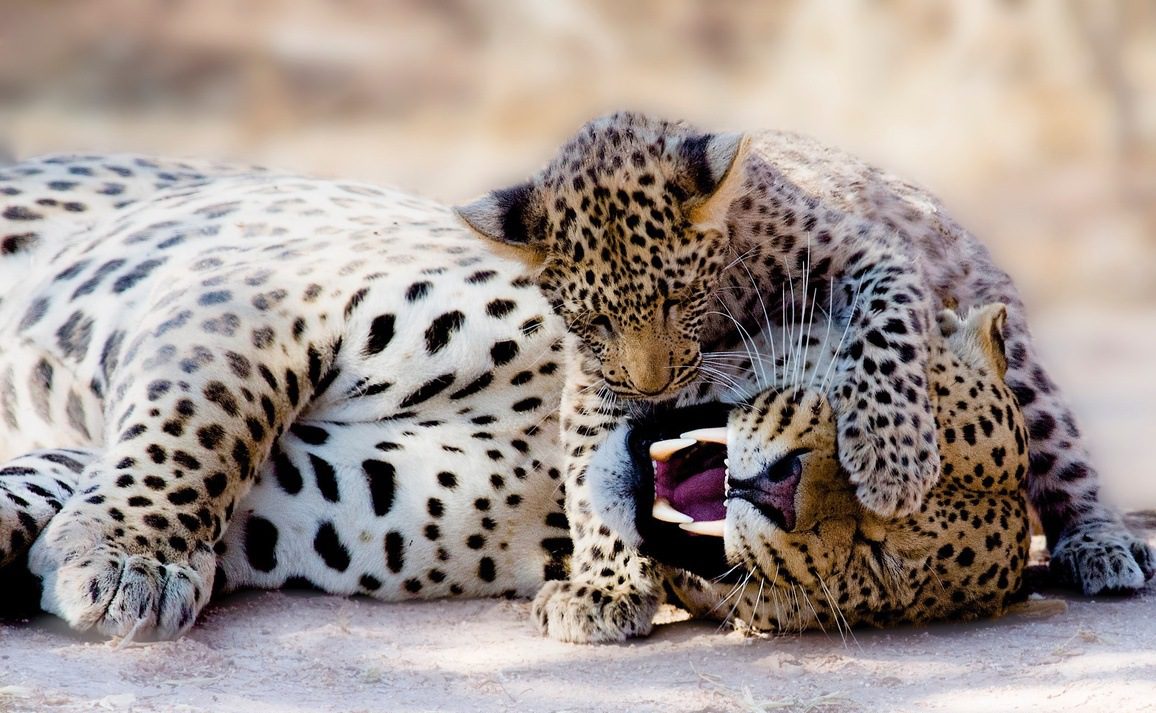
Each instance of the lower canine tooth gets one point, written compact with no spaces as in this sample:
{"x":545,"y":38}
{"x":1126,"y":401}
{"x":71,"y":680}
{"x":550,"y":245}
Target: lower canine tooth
{"x":708,"y":435}
{"x":661,"y":451}
{"x":664,"y":511}
{"x":713,"y":528}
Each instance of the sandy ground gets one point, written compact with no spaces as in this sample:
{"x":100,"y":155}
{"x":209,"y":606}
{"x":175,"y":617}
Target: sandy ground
{"x":301,"y":651}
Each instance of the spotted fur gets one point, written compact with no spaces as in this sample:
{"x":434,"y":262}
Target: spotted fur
{"x":799,"y":550}
{"x":213,"y":378}
{"x":661,"y":245}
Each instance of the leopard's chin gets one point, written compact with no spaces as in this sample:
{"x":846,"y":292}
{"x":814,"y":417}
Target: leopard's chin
{"x":684,"y":375}
{"x":628,"y":392}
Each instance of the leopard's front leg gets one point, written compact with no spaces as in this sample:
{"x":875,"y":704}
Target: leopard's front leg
{"x":887,"y":438}
{"x":613,"y":591}
{"x":194,"y":407}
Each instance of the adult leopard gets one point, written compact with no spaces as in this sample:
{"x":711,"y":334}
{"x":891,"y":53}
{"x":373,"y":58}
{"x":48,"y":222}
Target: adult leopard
{"x":176,"y":333}
{"x":660,"y":245}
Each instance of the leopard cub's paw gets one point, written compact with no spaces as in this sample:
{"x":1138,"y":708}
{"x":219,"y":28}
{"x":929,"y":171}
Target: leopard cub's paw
{"x":1103,"y":558}
{"x":21,"y":521}
{"x":33,"y":488}
{"x":889,"y":498}
{"x":891,"y":481}
{"x":584,"y":614}
{"x":95,"y":583}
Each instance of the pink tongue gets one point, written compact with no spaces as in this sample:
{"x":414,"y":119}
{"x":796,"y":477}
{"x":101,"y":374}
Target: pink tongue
{"x":700,"y":496}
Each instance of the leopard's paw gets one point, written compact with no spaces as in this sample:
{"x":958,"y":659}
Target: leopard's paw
{"x":584,"y":614}
{"x":100,"y":585}
{"x":892,"y":473}
{"x":1103,"y":558}
{"x":887,"y":495}
{"x":21,"y":520}
{"x":33,"y":488}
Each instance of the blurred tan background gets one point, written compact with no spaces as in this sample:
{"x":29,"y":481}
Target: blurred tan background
{"x":1034,"y":120}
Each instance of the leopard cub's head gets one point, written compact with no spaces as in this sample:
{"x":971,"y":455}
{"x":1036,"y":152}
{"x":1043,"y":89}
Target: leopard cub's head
{"x":625,"y":232}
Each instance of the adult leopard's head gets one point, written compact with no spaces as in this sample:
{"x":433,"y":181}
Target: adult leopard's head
{"x":626,"y":233}
{"x":757,"y":520}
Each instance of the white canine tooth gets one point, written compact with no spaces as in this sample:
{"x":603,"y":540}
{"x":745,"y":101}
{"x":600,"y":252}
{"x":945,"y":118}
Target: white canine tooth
{"x":713,"y":528}
{"x":708,"y":435}
{"x":661,"y":451}
{"x":664,"y":511}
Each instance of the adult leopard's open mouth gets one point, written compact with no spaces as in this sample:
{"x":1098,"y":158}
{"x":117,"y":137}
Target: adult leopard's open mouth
{"x":692,"y":484}
{"x":690,"y":481}
{"x":679,"y":487}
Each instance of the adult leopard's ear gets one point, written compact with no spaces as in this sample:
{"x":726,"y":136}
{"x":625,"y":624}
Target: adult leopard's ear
{"x":978,"y":337}
{"x":995,"y":320}
{"x":711,"y":172}
{"x":513,"y":219}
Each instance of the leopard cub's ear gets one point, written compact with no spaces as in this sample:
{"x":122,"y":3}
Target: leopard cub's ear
{"x":512,"y":219}
{"x":710,"y":168}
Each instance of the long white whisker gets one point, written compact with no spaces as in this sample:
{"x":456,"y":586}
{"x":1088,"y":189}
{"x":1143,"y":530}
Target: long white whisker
{"x":783,"y":333}
{"x":749,"y":343}
{"x":766,"y":318}
{"x":834,"y":609}
{"x":780,"y":610}
{"x":736,"y":366}
{"x":810,"y":325}
{"x":805,"y":342}
{"x":720,"y":375}
{"x":847,"y":328}
{"x":827,"y":333}
{"x":810,"y":604}
{"x":734,"y":590}
{"x":798,"y":607}
{"x":738,"y":600}
{"x":724,"y":574}
{"x":758,"y":604}
{"x":740,"y":392}
{"x":737,"y":355}
{"x":838,"y":613}
{"x":742,"y":257}
{"x":791,"y":338}
{"x":744,"y":335}
{"x":801,"y":359}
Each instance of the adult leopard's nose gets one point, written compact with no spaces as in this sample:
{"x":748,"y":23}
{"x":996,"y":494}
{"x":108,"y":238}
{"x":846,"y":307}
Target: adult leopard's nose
{"x":773,"y":491}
